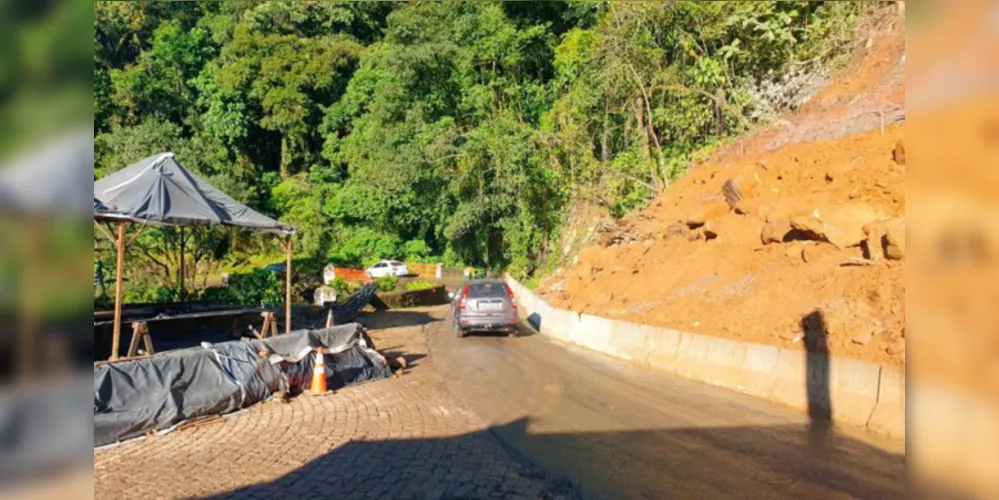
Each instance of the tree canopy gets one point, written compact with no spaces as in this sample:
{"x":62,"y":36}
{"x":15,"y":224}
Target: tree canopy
{"x":454,"y":131}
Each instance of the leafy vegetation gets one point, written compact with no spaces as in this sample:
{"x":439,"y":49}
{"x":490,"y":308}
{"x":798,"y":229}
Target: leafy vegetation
{"x":345,"y":288}
{"x":259,"y":287}
{"x":420,"y":284}
{"x":387,"y":283}
{"x":439,"y":131}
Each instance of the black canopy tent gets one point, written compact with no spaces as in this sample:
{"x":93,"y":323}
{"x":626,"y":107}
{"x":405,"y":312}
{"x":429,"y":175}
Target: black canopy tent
{"x":159,"y":191}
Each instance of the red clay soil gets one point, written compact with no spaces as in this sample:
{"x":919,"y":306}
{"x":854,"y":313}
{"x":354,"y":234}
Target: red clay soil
{"x":735,"y":286}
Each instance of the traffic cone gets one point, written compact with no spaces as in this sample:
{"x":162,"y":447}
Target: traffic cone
{"x":319,"y":373}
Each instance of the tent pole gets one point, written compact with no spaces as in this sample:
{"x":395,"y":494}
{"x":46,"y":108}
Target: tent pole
{"x":180,"y":294}
{"x":287,"y":290}
{"x":117,"y":290}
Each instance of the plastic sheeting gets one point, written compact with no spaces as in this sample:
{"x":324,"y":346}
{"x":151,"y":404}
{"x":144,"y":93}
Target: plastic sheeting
{"x":350,"y":308}
{"x":136,"y":396}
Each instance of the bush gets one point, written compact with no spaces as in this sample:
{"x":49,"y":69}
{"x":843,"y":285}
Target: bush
{"x":258,"y":288}
{"x":343,"y":287}
{"x":145,"y":289}
{"x":216,"y":295}
{"x":421,"y":284}
{"x":386,"y":283}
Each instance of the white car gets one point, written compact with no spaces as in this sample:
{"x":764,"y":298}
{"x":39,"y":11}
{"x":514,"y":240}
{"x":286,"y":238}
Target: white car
{"x":387,"y":268}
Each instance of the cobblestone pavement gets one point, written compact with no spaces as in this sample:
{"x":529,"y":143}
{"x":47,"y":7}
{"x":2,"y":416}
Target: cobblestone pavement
{"x":405,"y":437}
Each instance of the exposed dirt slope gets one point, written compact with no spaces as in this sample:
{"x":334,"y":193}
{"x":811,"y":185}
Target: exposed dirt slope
{"x":816,"y":241}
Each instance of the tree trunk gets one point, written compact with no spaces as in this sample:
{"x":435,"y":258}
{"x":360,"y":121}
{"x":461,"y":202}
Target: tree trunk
{"x":646,"y":147}
{"x":650,"y":131}
{"x":605,"y":136}
{"x":285,"y":161}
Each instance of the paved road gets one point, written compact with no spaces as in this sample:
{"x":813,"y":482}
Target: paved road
{"x":405,"y":437}
{"x":622,"y":432}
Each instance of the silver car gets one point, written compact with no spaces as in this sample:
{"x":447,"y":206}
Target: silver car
{"x":484,"y":305}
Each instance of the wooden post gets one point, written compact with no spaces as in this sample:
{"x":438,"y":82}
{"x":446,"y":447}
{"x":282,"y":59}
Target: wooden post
{"x":119,"y":268}
{"x":180,"y":293}
{"x":287,"y":291}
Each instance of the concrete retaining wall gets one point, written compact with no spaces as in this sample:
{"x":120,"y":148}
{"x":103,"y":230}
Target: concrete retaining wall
{"x":849,"y":391}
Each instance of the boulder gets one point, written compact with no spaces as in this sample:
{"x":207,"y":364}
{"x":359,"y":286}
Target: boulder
{"x":706,"y":212}
{"x":841,"y":225}
{"x":886,"y":239}
{"x":774,"y":231}
{"x":898,"y":154}
{"x":894,"y":238}
{"x":742,"y":187}
{"x":875,"y":235}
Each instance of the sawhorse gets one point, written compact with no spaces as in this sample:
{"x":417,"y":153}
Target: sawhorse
{"x":269,"y":328}
{"x":140,"y":329}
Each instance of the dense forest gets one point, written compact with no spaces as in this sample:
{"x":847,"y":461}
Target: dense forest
{"x":444,"y":131}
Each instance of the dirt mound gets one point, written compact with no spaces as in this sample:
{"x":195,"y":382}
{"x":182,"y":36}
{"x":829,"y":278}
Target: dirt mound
{"x":700,"y":262}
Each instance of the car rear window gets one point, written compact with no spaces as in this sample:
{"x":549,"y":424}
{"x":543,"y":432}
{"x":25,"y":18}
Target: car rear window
{"x":396,"y":263}
{"x":476,"y":290}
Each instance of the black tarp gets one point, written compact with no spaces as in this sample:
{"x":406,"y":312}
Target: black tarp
{"x":159,"y":190}
{"x":350,"y":308}
{"x":136,"y":396}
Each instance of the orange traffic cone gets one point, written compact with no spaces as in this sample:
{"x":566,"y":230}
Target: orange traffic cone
{"x":319,"y":373}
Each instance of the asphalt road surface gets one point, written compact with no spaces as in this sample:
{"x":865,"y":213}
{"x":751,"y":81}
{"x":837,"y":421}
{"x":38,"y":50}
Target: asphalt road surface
{"x":619,"y":431}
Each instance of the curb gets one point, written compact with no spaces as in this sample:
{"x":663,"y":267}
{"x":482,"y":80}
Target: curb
{"x":852,"y":392}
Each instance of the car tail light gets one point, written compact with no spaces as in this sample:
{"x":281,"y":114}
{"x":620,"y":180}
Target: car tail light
{"x":513,"y":300}
{"x":461,"y":301}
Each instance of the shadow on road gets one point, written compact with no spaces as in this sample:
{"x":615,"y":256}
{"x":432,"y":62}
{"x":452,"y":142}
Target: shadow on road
{"x":523,"y":330}
{"x":534,"y":320}
{"x":815,"y":332}
{"x":394,"y":318}
{"x":746,"y":462}
{"x":410,"y":357}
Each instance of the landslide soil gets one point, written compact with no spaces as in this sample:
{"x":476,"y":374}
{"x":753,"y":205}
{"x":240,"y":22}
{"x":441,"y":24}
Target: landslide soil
{"x":735,"y":286}
{"x":837,"y":151}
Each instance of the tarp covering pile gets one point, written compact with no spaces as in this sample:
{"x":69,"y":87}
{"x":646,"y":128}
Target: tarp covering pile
{"x":134,"y":397}
{"x":350,"y":308}
{"x":159,"y":190}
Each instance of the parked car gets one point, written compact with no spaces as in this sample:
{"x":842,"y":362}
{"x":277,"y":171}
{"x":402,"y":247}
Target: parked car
{"x":484,"y":305}
{"x":387,"y":268}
